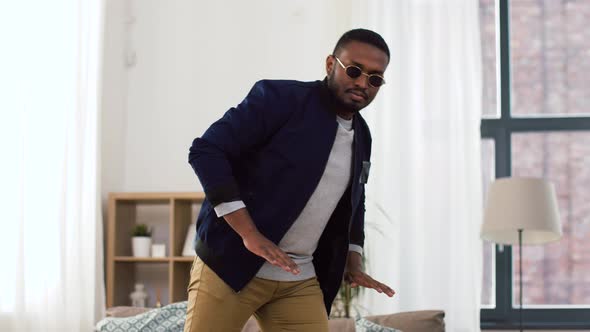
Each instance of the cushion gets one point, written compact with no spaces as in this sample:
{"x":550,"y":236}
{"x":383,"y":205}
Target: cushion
{"x":413,"y":321}
{"x":169,"y":318}
{"x":364,"y":325}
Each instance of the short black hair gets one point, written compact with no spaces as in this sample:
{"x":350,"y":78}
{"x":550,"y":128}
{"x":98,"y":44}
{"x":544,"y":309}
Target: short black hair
{"x":363,"y":36}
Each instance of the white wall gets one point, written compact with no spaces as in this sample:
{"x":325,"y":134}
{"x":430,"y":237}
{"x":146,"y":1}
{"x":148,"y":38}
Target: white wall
{"x":114,"y":89}
{"x":194,"y":60}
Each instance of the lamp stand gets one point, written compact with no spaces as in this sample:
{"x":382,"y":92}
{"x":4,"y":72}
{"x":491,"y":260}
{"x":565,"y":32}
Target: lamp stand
{"x":520,"y":273}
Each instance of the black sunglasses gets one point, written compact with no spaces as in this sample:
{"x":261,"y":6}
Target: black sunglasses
{"x":354,"y":72}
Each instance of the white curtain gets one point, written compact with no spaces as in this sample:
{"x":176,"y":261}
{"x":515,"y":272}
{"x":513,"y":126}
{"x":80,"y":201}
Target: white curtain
{"x":51,"y":227}
{"x":424,"y":200}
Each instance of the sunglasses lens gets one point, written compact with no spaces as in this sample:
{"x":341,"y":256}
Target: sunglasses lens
{"x":353,"y":72}
{"x":375,"y":81}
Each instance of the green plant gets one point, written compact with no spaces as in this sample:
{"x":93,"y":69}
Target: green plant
{"x":142,"y":230}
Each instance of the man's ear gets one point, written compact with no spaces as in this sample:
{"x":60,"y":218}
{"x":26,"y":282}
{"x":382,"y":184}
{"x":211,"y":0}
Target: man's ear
{"x":329,"y":64}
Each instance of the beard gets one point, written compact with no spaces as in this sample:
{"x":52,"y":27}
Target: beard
{"x":338,"y":98}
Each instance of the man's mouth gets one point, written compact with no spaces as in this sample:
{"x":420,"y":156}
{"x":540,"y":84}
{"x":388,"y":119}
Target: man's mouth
{"x":357,"y":96}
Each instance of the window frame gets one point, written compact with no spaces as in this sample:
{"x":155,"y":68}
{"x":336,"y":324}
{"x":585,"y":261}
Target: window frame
{"x":500,"y":130}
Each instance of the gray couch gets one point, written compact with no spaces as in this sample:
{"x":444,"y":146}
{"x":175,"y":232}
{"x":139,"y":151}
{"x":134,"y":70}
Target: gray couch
{"x":413,"y":321}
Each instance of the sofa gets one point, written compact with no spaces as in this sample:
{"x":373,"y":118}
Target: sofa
{"x":413,"y":321}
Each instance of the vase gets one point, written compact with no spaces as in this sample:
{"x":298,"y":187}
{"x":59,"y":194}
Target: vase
{"x":140,"y":246}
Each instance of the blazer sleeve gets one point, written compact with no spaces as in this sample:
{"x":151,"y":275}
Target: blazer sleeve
{"x":238,"y":132}
{"x":357,"y":229}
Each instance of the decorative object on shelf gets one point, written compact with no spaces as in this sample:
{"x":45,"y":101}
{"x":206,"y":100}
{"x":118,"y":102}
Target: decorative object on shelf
{"x":141,"y":241}
{"x":158,"y":250}
{"x":139,"y":296}
{"x":158,"y":297}
{"x":521,"y":211}
{"x":189,"y":248}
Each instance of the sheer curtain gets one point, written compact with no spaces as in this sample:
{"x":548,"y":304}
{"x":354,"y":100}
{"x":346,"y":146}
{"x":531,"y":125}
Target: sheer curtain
{"x":51,"y":233}
{"x":424,"y":194}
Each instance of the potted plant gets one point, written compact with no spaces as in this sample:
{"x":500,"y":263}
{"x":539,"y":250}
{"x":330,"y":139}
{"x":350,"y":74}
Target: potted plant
{"x":141,"y":241}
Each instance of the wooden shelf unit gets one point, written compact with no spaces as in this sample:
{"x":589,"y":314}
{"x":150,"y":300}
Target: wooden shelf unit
{"x":122,"y":266}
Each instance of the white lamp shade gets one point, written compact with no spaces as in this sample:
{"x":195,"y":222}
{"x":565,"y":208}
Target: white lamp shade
{"x":521,"y":203}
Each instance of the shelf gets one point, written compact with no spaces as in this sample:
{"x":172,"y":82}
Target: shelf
{"x":158,"y":196}
{"x":188,"y":259}
{"x":132,"y":259}
{"x":170,"y":214}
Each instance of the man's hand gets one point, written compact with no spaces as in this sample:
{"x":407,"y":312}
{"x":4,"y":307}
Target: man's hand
{"x":354,"y":275}
{"x":263,"y":247}
{"x":258,"y":244}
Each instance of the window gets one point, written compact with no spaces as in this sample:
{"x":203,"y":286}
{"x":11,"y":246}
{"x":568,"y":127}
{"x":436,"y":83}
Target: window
{"x":488,"y":162}
{"x":536,"y":122}
{"x":557,"y":274}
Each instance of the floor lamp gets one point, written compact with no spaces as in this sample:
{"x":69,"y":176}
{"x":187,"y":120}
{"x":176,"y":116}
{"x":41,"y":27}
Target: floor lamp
{"x":521,"y":211}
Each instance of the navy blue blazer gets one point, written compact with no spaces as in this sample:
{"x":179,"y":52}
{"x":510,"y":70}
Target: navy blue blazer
{"x":270,"y":151}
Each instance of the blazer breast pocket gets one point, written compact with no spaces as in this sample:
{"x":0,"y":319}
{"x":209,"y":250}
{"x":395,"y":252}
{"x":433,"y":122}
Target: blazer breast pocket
{"x":364,"y":177}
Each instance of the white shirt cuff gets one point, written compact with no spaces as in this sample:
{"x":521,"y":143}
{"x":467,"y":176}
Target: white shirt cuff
{"x":228,"y":207}
{"x":355,"y":248}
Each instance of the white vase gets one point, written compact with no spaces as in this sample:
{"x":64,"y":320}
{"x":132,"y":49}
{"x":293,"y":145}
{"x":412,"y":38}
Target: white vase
{"x":140,"y":246}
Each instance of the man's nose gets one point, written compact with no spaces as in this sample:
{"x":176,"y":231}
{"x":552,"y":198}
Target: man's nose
{"x":362,"y":81}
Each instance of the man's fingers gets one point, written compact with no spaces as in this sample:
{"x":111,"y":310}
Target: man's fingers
{"x":269,"y":256}
{"x":289,"y":265}
{"x":387,"y":290}
{"x":281,"y":259}
{"x":294,"y":267}
{"x":368,"y":282}
{"x":286,"y":262}
{"x":376,"y":285}
{"x":266,"y":249}
{"x":365,"y":280}
{"x":273,"y":258}
{"x":382,"y":288}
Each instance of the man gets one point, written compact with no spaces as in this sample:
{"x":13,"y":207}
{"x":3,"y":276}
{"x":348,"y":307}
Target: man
{"x":284,"y":175}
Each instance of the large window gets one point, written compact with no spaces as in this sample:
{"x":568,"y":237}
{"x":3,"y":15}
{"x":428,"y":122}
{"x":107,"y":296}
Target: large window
{"x":536,"y":122}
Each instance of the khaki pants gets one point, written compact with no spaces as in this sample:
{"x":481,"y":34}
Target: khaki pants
{"x":277,"y":305}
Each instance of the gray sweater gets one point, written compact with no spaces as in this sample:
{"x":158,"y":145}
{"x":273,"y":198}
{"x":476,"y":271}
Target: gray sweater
{"x":302,"y":238}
